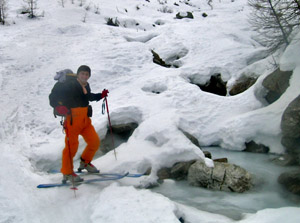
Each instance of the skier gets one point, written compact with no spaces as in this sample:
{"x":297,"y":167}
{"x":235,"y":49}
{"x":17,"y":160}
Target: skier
{"x":71,"y":100}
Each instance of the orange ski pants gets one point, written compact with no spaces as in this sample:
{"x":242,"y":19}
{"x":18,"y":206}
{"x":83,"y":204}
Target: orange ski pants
{"x":81,"y":125}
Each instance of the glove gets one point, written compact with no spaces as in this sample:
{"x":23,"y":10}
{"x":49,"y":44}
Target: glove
{"x":104,"y":93}
{"x":62,"y":110}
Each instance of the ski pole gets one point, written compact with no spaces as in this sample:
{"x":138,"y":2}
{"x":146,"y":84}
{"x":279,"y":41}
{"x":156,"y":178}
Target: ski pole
{"x":74,"y":188}
{"x":110,"y":127}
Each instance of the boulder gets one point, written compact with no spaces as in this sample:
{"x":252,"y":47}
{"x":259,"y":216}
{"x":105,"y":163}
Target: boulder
{"x":256,"y":148}
{"x":242,"y":85}
{"x":224,"y":177}
{"x":276,"y":83}
{"x":290,"y":127}
{"x":164,"y":173}
{"x":180,"y":170}
{"x":291,"y":181}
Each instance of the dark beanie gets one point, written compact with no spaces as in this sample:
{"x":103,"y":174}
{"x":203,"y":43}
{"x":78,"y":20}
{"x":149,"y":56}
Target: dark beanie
{"x":84,"y":68}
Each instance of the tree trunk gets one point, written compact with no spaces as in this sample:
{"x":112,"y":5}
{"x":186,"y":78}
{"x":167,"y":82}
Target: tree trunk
{"x":2,"y":19}
{"x":285,"y":37}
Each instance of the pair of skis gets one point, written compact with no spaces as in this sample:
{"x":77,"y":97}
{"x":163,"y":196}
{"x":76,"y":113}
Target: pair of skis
{"x":100,"y":177}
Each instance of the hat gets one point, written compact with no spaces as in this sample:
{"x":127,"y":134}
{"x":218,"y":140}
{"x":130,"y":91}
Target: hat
{"x":84,"y":68}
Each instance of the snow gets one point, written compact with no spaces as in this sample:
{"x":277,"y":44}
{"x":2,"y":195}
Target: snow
{"x":131,"y":204}
{"x":271,"y":215}
{"x":31,"y":141}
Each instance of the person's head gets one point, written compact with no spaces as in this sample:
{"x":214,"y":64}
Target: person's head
{"x":83,"y":73}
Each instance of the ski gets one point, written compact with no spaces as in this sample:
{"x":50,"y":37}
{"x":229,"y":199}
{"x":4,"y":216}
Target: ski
{"x":104,"y":178}
{"x":134,"y":175}
{"x":101,"y":174}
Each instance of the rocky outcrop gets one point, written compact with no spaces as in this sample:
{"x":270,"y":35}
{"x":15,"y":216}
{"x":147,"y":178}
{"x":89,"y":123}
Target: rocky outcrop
{"x":276,"y":83}
{"x":224,"y":177}
{"x":290,"y":126}
{"x":291,"y":181}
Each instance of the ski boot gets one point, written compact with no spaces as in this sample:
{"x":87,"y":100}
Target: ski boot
{"x":72,"y":178}
{"x":88,"y":166}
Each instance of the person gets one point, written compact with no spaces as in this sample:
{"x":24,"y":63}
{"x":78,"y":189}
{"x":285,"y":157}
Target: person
{"x":73,"y":104}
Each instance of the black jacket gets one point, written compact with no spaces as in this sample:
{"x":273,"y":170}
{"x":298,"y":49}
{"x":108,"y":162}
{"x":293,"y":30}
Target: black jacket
{"x":70,"y":94}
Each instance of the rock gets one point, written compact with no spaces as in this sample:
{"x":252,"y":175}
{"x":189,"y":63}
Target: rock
{"x":291,"y":181}
{"x":256,"y":148}
{"x":276,"y":83}
{"x":181,"y":15}
{"x":290,"y":126}
{"x":193,"y":139}
{"x":242,"y":85}
{"x":207,"y":154}
{"x":111,"y":22}
{"x":221,"y":160}
{"x":224,"y":177}
{"x":158,"y":60}
{"x":164,"y":173}
{"x":127,"y":128}
{"x":122,"y":132}
{"x":180,"y":170}
{"x":290,"y":122}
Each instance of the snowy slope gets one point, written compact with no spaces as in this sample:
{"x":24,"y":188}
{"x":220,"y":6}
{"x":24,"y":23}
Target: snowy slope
{"x":31,"y":51}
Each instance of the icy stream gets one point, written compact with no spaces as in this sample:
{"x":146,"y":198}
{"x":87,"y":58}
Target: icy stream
{"x":266,"y":194}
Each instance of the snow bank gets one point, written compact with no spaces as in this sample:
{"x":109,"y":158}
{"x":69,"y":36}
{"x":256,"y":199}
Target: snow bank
{"x":288,"y":215}
{"x":123,"y":204}
{"x":291,"y":57}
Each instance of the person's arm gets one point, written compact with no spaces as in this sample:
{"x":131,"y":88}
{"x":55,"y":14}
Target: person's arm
{"x":98,"y":96}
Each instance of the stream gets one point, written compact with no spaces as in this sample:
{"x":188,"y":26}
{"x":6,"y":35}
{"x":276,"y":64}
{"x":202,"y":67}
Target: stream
{"x":266,"y":193}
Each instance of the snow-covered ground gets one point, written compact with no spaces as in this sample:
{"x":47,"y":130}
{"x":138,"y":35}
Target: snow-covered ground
{"x":31,"y":51}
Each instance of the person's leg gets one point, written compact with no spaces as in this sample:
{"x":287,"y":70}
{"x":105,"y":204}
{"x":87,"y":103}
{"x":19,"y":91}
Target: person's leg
{"x":70,"y":150}
{"x":73,"y":126}
{"x":93,"y":142}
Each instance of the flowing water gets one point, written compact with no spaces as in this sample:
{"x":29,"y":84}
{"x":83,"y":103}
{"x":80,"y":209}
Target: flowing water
{"x":266,"y":193}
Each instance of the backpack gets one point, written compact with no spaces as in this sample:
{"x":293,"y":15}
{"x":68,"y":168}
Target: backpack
{"x":57,"y":94}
